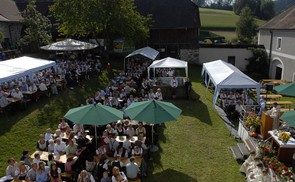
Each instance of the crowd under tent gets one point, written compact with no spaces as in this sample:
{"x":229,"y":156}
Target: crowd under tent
{"x":146,"y":52}
{"x":168,"y":63}
{"x":224,"y":75}
{"x":22,"y":66}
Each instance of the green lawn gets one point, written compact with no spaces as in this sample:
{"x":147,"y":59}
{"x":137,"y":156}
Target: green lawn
{"x":194,"y":148}
{"x":220,"y":19}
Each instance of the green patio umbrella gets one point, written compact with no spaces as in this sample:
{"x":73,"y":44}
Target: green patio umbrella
{"x":286,"y":89}
{"x":289,"y":118}
{"x":94,"y":114}
{"x":153,"y":111}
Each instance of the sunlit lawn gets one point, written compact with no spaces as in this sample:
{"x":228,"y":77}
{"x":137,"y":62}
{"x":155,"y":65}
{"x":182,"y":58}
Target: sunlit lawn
{"x":194,"y":148}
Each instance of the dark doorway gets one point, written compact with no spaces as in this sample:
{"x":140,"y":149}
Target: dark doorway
{"x":231,"y":60}
{"x":278,"y":73}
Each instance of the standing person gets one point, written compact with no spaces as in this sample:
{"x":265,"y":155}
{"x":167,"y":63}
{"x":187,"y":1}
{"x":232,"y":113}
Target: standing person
{"x":274,"y":112}
{"x":188,"y":87}
{"x":174,"y":85}
{"x":109,"y":69}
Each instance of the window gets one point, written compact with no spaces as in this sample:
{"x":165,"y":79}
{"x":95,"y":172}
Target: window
{"x":279,"y":43}
{"x":231,"y":60}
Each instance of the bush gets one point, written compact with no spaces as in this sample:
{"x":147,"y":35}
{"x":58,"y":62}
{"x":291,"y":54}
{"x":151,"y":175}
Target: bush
{"x":258,"y":63}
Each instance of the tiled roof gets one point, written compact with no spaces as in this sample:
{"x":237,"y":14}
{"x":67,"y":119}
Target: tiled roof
{"x":9,"y":11}
{"x":170,"y":13}
{"x":283,"y":21}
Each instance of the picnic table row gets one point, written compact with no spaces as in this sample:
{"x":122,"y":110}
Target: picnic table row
{"x":63,"y":158}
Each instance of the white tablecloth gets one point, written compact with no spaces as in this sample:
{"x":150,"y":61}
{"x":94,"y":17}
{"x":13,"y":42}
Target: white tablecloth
{"x":289,"y":144}
{"x":242,"y":132}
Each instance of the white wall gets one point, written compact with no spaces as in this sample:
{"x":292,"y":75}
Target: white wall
{"x":212,"y":54}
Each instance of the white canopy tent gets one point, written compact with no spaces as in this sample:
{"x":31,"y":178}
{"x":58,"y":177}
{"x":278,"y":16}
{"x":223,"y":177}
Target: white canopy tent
{"x":22,"y":66}
{"x":168,"y":63}
{"x":224,"y":75}
{"x":147,"y":52}
{"x":69,"y":45}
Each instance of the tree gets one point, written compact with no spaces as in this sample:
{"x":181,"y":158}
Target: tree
{"x":240,"y":4}
{"x":37,"y":31}
{"x":1,"y":37}
{"x":94,"y":18}
{"x":246,"y":26}
{"x":258,"y":63}
{"x":267,"y":10}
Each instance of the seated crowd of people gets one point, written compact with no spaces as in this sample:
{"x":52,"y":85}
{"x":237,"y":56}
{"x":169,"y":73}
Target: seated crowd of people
{"x":231,"y":102}
{"x":91,"y":160}
{"x":102,"y":163}
{"x":65,"y":74}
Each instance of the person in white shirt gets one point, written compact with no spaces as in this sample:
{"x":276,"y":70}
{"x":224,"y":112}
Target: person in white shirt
{"x":151,"y":94}
{"x":32,"y":87}
{"x":274,"y":112}
{"x":17,"y":94}
{"x":174,"y":85}
{"x":158,"y":94}
{"x":42,"y":86}
{"x":48,"y":134}
{"x":85,"y":176}
{"x":130,"y":131}
{"x":3,"y":101}
{"x":60,"y":147}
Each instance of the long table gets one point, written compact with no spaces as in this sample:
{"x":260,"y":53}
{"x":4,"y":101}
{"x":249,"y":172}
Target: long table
{"x":44,"y":156}
{"x":283,"y":102}
{"x":285,"y":151}
{"x":271,"y":96}
{"x":125,"y":161}
{"x":13,"y":100}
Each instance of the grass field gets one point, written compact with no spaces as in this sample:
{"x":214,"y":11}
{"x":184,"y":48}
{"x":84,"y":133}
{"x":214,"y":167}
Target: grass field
{"x":194,"y":148}
{"x":221,"y":22}
{"x":219,"y":19}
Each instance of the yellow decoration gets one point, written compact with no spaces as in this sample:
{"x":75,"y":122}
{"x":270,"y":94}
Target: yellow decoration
{"x":284,"y":137}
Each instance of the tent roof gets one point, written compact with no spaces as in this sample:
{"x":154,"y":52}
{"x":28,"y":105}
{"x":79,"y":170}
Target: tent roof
{"x":14,"y":68}
{"x":286,"y":89}
{"x":225,"y":75}
{"x":69,"y":45}
{"x":146,"y":52}
{"x":168,"y":63}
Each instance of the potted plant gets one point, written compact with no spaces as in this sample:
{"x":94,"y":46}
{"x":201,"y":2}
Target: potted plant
{"x":253,"y":121}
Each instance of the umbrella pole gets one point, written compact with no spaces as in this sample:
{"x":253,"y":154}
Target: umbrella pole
{"x":95,"y":137}
{"x":153,"y":148}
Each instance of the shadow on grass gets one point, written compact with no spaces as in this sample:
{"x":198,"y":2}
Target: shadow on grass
{"x":169,"y":175}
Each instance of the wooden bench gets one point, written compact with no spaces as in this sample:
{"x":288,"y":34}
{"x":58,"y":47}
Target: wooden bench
{"x":286,"y":109}
{"x":244,"y":151}
{"x":237,"y":153}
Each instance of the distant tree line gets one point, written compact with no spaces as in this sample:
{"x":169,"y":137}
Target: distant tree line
{"x":215,"y":4}
{"x":263,"y":9}
{"x":281,"y":5}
